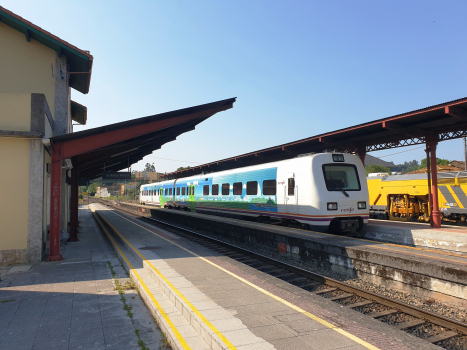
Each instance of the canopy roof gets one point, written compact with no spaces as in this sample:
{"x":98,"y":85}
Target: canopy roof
{"x":117,"y":146}
{"x":437,"y":123}
{"x":80,"y":61}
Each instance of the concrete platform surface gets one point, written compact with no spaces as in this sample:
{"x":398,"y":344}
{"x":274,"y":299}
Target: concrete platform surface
{"x":432,"y":273}
{"x":453,"y":238}
{"x":234,"y":306}
{"x":73,"y":304}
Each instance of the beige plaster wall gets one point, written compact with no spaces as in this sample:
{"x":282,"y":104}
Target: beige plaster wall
{"x":14,"y":192}
{"x":26,"y":66}
{"x":15,"y":110}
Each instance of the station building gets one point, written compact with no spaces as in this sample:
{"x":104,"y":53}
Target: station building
{"x":38,"y":71}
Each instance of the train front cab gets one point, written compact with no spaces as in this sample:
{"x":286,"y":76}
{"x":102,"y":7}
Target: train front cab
{"x":342,"y":192}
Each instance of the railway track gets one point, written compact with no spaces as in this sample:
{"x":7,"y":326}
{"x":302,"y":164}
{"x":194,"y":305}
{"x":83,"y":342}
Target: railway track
{"x":437,"y":329}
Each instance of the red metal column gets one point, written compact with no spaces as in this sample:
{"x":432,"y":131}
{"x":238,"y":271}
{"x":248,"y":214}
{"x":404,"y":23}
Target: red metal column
{"x":361,"y":154}
{"x":434,"y":186}
{"x":55,"y":182}
{"x":428,"y":174}
{"x":74,"y":204}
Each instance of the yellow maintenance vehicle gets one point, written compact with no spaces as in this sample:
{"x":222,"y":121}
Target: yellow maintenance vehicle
{"x":405,"y":197}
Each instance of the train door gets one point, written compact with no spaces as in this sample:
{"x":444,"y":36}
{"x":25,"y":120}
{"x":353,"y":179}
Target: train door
{"x":191,"y":197}
{"x":291,"y":194}
{"x":161,"y":197}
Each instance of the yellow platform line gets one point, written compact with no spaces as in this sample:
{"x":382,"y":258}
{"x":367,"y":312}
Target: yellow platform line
{"x":190,"y":305}
{"x":154,"y":300}
{"x":283,"y":301}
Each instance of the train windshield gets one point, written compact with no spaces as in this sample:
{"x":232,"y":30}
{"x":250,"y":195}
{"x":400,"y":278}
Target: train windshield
{"x":340,"y":177}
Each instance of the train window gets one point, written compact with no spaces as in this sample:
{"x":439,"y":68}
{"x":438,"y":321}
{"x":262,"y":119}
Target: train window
{"x":291,"y":186}
{"x":178,"y":191}
{"x":166,"y":192}
{"x":183,"y":191}
{"x":206,"y":190}
{"x":269,"y":187}
{"x":225,"y":189}
{"x":252,"y":188}
{"x":170,"y":191}
{"x":237,"y":189}
{"x":340,"y":177}
{"x":215,"y":190}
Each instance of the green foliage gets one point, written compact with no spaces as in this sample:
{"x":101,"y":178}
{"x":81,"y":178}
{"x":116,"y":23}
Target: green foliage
{"x":182,"y":168}
{"x":373,"y":168}
{"x":406,"y":167}
{"x":438,"y":162}
{"x":92,"y":189}
{"x":149,"y":167}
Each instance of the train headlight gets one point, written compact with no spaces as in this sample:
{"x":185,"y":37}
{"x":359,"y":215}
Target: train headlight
{"x":337,"y":157}
{"x":332,"y":206}
{"x":361,"y":205}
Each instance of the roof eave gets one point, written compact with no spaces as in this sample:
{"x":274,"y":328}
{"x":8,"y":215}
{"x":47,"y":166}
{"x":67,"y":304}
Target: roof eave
{"x":80,"y":61}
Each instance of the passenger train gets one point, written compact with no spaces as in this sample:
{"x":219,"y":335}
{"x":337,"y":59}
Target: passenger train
{"x":325,"y":192}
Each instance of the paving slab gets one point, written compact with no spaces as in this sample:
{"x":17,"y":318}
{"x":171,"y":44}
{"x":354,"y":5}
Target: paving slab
{"x":250,"y":309}
{"x":73,"y":304}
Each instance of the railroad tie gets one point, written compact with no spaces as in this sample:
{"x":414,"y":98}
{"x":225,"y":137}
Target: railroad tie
{"x":342,"y":296}
{"x":361,"y":303}
{"x":383,"y":313}
{"x":409,"y":324}
{"x":327,"y":290}
{"x":443,"y":336}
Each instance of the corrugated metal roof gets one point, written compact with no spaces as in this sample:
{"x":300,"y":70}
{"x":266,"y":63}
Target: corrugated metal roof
{"x":395,"y":131}
{"x":120,"y":155}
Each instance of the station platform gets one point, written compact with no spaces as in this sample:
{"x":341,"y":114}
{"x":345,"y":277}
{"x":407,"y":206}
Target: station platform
{"x":73,"y":304}
{"x":204,"y":300}
{"x":448,"y":237}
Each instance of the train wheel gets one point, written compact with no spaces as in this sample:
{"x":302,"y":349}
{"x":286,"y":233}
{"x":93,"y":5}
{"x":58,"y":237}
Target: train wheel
{"x":462,"y":219}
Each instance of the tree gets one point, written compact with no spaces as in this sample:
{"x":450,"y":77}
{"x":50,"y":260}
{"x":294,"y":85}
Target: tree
{"x":438,"y":162}
{"x":406,"y":167}
{"x":150,"y":167}
{"x":374,"y":168}
{"x":182,"y":168}
{"x":92,"y":189}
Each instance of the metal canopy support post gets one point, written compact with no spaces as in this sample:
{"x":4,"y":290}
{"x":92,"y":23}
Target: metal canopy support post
{"x":361,"y":152}
{"x":55,"y":204}
{"x":74,"y":204}
{"x":428,"y":174}
{"x":434,"y":186}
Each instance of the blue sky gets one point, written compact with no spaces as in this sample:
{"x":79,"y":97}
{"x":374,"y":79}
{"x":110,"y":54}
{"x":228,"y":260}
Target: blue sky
{"x":298,"y":68}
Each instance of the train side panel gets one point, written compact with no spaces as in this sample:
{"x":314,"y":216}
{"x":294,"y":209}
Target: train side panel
{"x":405,"y":197}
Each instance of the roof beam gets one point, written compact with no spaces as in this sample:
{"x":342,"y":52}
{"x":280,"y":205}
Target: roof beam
{"x":456,"y":112}
{"x":82,"y":145}
{"x":404,"y":130}
{"x":27,"y":32}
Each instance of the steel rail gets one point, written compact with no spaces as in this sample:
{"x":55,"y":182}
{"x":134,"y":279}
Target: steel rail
{"x":395,"y":304}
